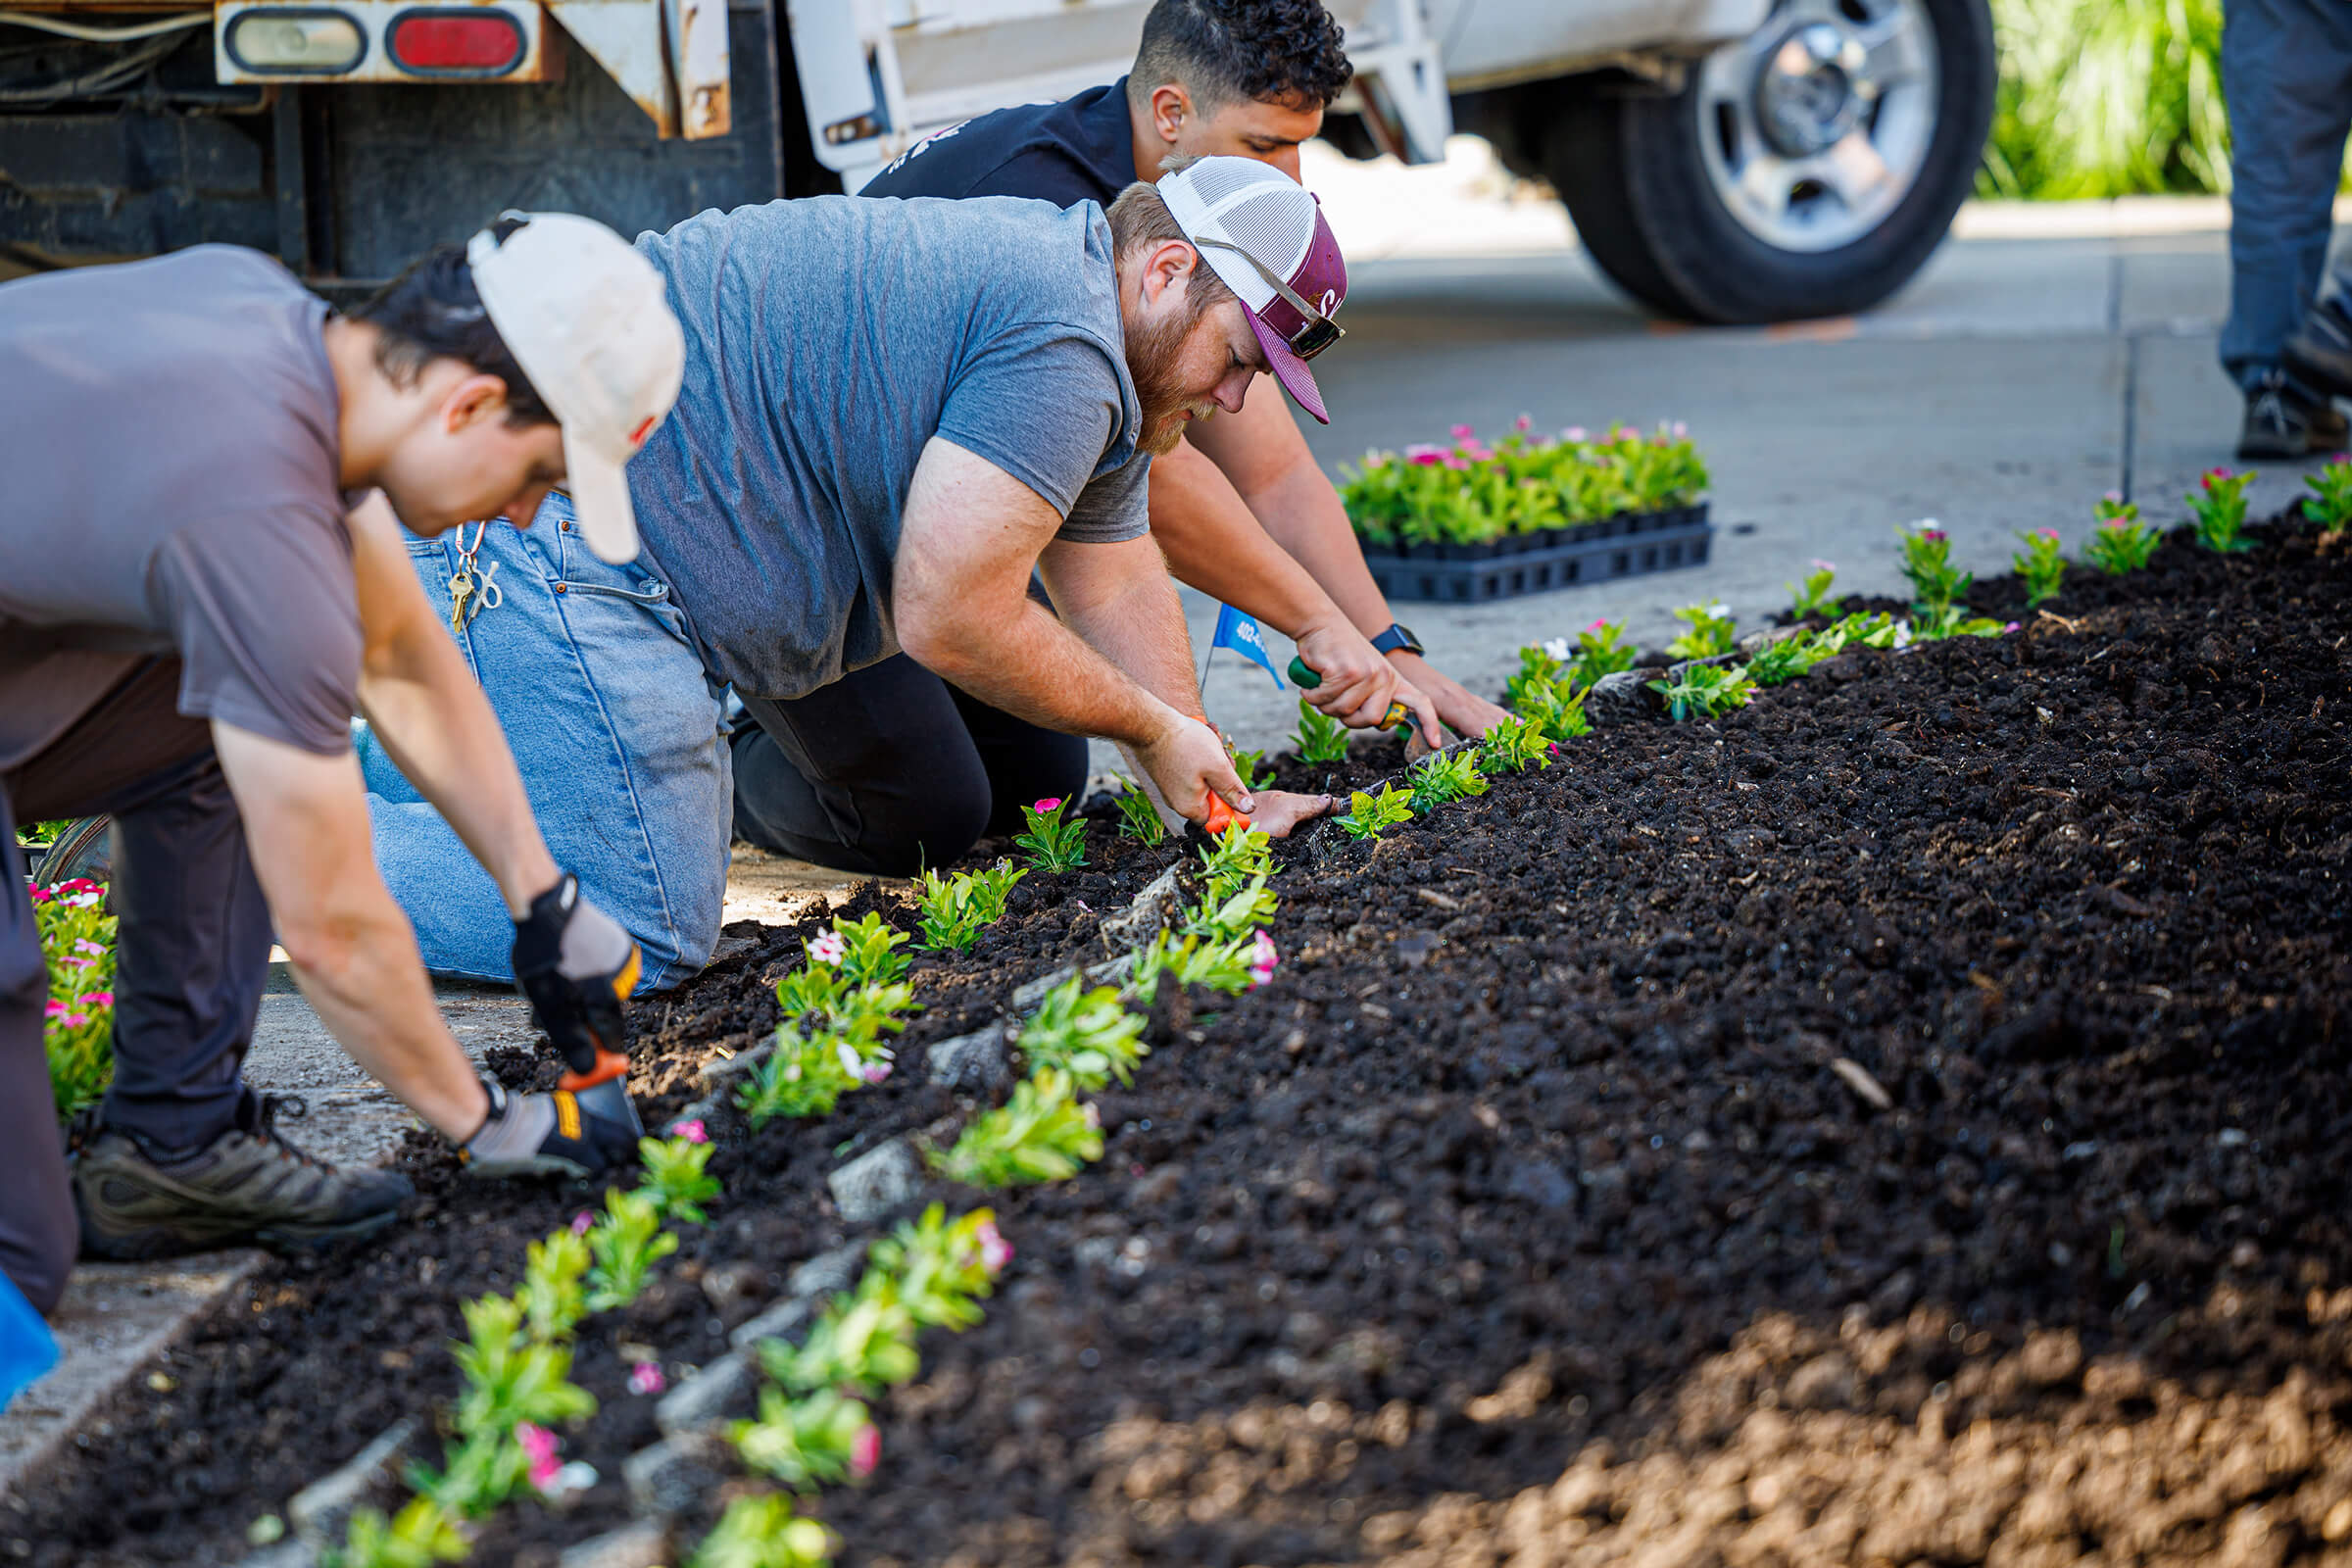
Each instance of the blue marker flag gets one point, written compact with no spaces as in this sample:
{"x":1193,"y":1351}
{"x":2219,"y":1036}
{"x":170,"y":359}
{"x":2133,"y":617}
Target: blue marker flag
{"x":1240,"y":633}
{"x":26,"y":1350}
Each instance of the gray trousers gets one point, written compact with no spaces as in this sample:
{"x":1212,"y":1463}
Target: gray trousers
{"x":191,"y":961}
{"x":2286,"y":72}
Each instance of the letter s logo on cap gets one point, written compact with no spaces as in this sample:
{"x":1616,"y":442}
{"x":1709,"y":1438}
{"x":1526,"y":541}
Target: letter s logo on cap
{"x":1330,"y":300}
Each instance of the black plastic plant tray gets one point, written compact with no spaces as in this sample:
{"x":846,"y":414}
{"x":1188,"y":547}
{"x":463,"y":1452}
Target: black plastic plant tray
{"x":1623,"y":546}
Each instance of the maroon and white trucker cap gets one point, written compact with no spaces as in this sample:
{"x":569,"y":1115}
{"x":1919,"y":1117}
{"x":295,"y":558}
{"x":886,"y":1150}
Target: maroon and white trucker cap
{"x":1265,"y":237}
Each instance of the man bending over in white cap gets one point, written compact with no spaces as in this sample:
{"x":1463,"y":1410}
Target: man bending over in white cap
{"x":197,"y":593}
{"x":894,"y":413}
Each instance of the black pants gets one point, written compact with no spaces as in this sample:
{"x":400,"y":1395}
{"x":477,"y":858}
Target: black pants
{"x":891,"y":770}
{"x":191,"y":961}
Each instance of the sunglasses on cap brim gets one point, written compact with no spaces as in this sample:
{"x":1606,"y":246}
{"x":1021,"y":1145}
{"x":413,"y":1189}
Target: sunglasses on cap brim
{"x":1316,"y":332}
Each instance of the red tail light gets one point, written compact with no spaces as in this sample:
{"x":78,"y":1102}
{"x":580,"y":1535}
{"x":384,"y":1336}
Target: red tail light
{"x":454,"y":43}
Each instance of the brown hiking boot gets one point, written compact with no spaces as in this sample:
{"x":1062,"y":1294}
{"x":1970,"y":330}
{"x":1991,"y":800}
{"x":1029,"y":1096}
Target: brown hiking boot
{"x":247,"y":1187}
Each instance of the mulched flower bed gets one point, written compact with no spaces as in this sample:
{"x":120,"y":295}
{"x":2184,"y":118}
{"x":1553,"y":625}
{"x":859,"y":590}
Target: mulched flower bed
{"x":1908,"y":1119}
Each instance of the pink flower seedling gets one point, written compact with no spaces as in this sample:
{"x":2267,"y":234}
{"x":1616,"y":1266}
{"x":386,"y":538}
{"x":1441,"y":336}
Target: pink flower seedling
{"x":875,"y":1072}
{"x":1820,"y":565}
{"x":694,"y":1132}
{"x":97,"y":998}
{"x":995,"y":1251}
{"x":1263,"y":957}
{"x":1682,"y":431}
{"x":1574,"y":432}
{"x":1523,"y":423}
{"x":1051,"y":804}
{"x":826,"y":946}
{"x":582,"y":1222}
{"x":645,"y":1378}
{"x":55,"y":1010}
{"x":74,"y":960}
{"x":85,"y":945}
{"x":865,"y":1451}
{"x":1462,"y":432}
{"x":540,"y":1445}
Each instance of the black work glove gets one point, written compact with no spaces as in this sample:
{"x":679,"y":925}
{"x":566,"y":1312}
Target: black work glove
{"x":568,"y":1133}
{"x":577,"y":967}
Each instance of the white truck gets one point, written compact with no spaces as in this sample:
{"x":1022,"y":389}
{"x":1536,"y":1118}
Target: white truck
{"x":1724,"y":159}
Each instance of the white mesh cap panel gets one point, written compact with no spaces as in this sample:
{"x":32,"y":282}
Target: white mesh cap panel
{"x":1269,"y":226}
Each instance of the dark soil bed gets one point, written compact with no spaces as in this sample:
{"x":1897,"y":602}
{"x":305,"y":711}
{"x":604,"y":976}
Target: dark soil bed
{"x":1908,"y":1120}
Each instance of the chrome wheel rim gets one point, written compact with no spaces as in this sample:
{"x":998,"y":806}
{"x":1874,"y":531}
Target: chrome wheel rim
{"x":1816,"y":126}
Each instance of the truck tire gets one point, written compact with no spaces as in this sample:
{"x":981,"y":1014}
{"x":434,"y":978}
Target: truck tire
{"x":1807,"y":171}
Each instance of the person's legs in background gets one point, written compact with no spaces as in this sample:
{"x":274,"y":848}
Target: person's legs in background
{"x":2286,"y":74}
{"x":37,"y":1238}
{"x":890,"y":769}
{"x":616,"y":732}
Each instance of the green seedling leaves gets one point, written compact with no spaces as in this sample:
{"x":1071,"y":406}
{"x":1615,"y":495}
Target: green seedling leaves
{"x":1042,"y":1134}
{"x":1368,"y":815}
{"x":1319,"y":738}
{"x":1705,"y":690}
{"x":675,"y":1178}
{"x":1086,"y":1034}
{"x":1139,"y":818}
{"x":626,"y":1242}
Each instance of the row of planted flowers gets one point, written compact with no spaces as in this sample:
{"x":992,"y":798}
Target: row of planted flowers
{"x":840,"y":1009}
{"x":1554,"y":676}
{"x":1523,"y":491}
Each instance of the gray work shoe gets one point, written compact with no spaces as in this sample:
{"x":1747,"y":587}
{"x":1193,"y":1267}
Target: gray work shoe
{"x":248,"y":1186}
{"x":2284,"y":421}
{"x":79,"y":849}
{"x":2319,"y":352}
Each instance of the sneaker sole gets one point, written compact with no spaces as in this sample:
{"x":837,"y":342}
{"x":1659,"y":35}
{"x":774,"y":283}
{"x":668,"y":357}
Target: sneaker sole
{"x":161,"y":1241}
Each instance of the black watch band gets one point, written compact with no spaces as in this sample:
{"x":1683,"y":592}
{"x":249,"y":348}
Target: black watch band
{"x":1399,"y":640}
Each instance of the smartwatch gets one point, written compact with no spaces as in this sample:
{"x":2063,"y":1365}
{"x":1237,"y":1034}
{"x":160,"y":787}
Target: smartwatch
{"x":1399,"y":640}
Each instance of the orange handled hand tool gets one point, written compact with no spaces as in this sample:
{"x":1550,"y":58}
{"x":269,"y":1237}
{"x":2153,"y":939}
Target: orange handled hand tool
{"x":1221,"y":813}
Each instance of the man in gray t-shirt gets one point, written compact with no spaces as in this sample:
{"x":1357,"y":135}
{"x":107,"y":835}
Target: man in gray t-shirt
{"x":893,"y":416}
{"x":191,"y":612}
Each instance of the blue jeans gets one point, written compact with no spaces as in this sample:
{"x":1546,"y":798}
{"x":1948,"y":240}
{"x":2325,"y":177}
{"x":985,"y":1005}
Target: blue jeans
{"x":619,"y":737}
{"x":2286,"y":71}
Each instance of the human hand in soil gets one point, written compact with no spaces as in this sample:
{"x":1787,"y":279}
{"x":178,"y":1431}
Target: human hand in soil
{"x":1359,"y":683}
{"x":1463,"y":712}
{"x":1186,"y":762}
{"x":1279,"y":812}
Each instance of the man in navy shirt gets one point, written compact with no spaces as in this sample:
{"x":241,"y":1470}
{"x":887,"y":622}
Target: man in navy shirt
{"x":1240,"y":509}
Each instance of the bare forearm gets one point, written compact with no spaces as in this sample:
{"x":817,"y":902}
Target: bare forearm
{"x":1213,"y":543}
{"x":436,"y":724}
{"x":352,"y":951}
{"x":1303,"y":515}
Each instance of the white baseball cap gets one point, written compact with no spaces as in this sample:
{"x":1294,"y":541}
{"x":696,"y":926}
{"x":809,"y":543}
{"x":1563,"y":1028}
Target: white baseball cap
{"x":589,"y":322}
{"x":1264,"y":235}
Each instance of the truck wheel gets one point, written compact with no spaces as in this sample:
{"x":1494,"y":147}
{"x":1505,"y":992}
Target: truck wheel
{"x":1808,"y":170}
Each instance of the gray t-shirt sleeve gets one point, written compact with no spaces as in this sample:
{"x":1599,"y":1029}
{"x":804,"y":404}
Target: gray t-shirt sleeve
{"x":267,"y":622}
{"x":1043,"y":402}
{"x":1114,"y":507}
